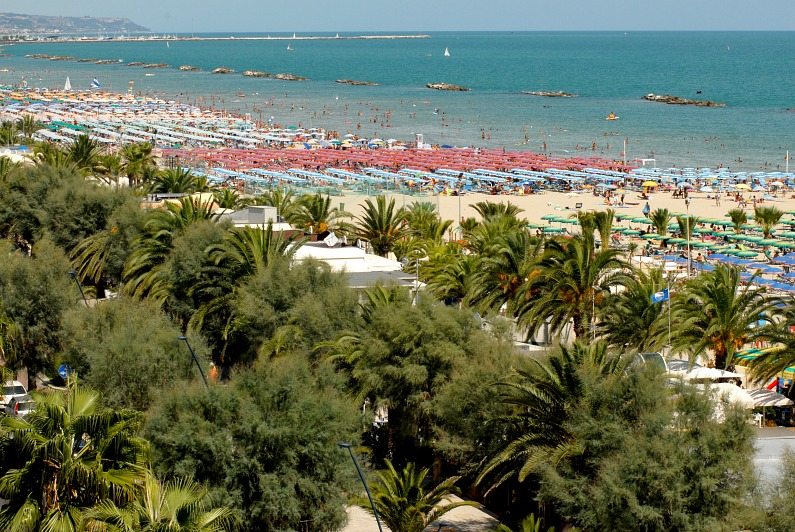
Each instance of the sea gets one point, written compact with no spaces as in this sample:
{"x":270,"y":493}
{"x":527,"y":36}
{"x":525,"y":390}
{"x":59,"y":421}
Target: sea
{"x":752,"y":73}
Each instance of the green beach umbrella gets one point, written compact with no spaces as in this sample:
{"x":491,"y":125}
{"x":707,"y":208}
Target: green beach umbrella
{"x":641,"y":220}
{"x":783,"y":245}
{"x":631,"y":232}
{"x":768,"y":242}
{"x":754,"y":239}
{"x":549,"y":216}
{"x":677,"y":241}
{"x":702,"y":230}
{"x":622,"y":216}
{"x":650,"y":236}
{"x":699,"y":244}
{"x":746,"y":254}
{"x":553,"y":229}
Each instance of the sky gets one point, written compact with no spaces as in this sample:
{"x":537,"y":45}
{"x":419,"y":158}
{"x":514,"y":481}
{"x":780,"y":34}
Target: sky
{"x":430,"y":15}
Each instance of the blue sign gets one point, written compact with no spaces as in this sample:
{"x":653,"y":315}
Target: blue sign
{"x":64,"y":370}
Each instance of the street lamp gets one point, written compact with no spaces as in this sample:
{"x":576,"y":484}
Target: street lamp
{"x":345,"y":445}
{"x":73,"y":275}
{"x":196,"y":360}
{"x":687,"y":230}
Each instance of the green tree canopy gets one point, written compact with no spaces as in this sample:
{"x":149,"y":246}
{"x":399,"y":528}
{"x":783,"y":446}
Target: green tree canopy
{"x":265,"y":445}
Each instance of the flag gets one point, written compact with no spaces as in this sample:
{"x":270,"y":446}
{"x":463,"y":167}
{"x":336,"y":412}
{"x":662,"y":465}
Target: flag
{"x":659,"y":297}
{"x":95,"y":84}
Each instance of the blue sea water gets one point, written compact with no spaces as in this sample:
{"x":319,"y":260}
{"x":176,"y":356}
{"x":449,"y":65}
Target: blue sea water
{"x":752,"y":73}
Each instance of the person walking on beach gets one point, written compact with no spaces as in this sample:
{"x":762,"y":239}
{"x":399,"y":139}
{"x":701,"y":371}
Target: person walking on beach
{"x":646,"y":209}
{"x":717,"y":199}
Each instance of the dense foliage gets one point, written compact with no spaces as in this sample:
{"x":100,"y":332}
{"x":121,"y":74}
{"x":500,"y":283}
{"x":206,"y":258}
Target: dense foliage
{"x":576,"y":433}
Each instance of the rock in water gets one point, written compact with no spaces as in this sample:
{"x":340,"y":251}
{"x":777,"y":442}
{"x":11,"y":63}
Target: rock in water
{"x":447,"y":87}
{"x":678,"y":100}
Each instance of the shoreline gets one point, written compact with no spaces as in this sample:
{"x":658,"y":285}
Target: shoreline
{"x":59,"y":40}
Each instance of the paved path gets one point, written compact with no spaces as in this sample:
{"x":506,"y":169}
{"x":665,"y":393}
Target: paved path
{"x":463,"y":519}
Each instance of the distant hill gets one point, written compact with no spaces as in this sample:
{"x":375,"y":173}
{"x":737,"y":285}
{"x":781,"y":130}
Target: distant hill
{"x":39,"y":25}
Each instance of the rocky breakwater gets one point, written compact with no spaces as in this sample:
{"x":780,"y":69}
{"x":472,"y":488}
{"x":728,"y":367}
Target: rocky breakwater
{"x":357,"y":83}
{"x":678,"y":100}
{"x":550,"y":94}
{"x":156,"y":65}
{"x":189,"y":68}
{"x":222,"y":70}
{"x":447,"y":87}
{"x":256,"y":74}
{"x":289,"y":77}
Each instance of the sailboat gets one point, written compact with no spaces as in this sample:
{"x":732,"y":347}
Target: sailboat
{"x":446,"y":52}
{"x":68,"y":85}
{"x":168,"y":45}
{"x":289,"y":48}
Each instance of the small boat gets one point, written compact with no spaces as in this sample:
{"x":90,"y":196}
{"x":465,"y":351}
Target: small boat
{"x":446,"y":52}
{"x":68,"y":85}
{"x":289,"y":48}
{"x":612,"y":116}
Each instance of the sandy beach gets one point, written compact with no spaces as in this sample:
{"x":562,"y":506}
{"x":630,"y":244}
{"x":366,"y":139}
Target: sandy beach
{"x":537,"y":205}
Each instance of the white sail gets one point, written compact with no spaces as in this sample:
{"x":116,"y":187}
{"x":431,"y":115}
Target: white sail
{"x":446,"y":52}
{"x":68,"y":85}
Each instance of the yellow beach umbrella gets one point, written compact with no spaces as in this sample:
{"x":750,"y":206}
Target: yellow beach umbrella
{"x":742,"y":186}
{"x":649,"y":184}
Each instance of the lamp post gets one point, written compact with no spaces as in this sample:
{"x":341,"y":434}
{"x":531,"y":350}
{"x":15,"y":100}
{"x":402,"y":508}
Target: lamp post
{"x":196,"y":360}
{"x":345,"y":445}
{"x":687,"y":230}
{"x":73,"y":275}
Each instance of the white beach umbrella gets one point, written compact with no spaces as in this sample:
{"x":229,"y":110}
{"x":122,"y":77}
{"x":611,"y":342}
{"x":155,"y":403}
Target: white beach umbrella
{"x":764,"y":397}
{"x":711,"y":374}
{"x":726,"y":391}
{"x":706,"y":189}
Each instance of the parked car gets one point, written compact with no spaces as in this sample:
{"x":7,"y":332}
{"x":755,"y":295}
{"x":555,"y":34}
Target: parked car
{"x":20,"y":406}
{"x":12,"y":389}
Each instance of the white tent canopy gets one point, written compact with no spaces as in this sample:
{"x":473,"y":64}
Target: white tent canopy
{"x":765,"y":397}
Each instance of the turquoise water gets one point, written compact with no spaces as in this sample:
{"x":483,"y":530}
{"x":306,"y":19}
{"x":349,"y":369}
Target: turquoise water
{"x":751,"y":72}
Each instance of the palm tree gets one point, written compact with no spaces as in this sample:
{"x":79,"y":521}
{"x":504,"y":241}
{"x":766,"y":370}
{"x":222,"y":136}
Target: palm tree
{"x":738,"y":218}
{"x":7,"y":168}
{"x":573,"y":278}
{"x":109,"y":168}
{"x":28,"y":125}
{"x":686,"y":225}
{"x":767,"y":217}
{"x":714,"y":312}
{"x":660,"y":218}
{"x":450,"y":276}
{"x":139,"y":162}
{"x":173,"y":180}
{"x":284,"y":201}
{"x":405,"y":504}
{"x":314,"y":213}
{"x":603,"y":224}
{"x":8,"y":133}
{"x":244,"y":252}
{"x":177,"y":505}
{"x":419,"y":215}
{"x":488,"y":210}
{"x":381,"y":224}
{"x":66,"y":456}
{"x":143,"y":272}
{"x":227,"y":199}
{"x":85,"y":152}
{"x":629,"y":319}
{"x":504,"y":271}
{"x":544,"y":398}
